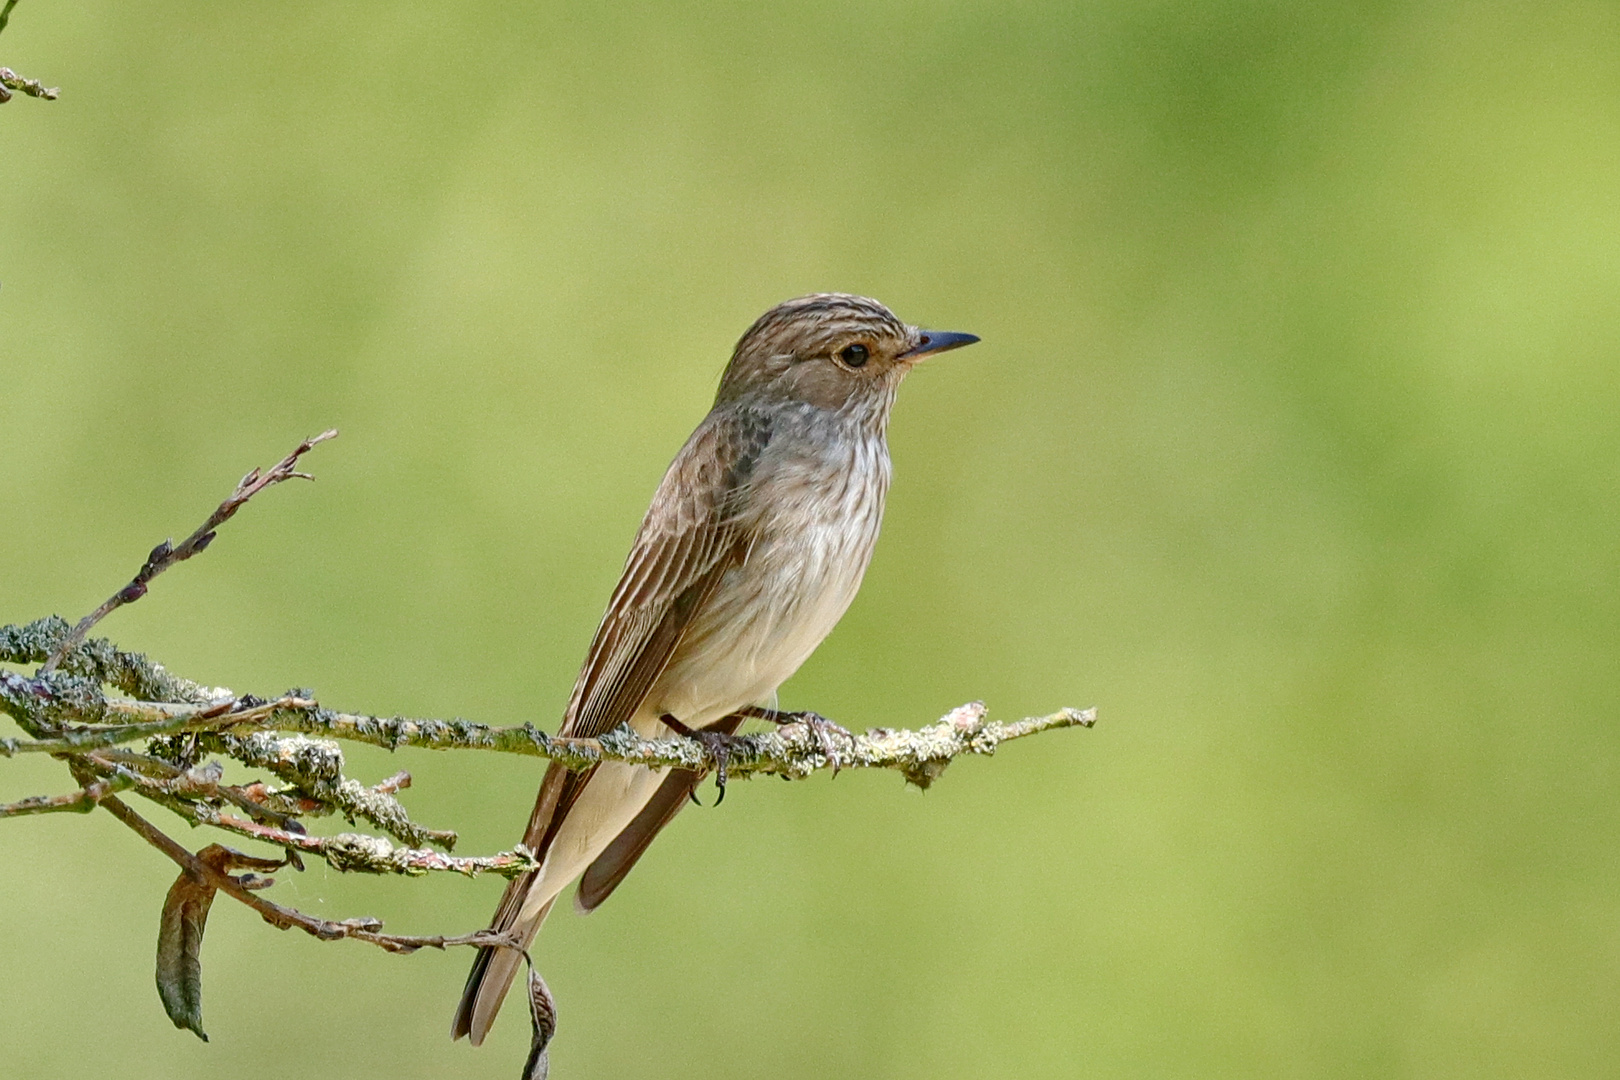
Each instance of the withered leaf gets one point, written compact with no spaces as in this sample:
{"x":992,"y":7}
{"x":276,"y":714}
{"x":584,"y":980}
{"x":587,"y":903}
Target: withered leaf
{"x":543,"y":1014}
{"x":180,"y":934}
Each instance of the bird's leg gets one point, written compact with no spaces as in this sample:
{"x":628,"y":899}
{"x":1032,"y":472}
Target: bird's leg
{"x":717,"y":743}
{"x":825,"y":731}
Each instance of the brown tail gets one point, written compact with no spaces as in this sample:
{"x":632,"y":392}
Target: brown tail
{"x":462,"y":1024}
{"x":491,"y":977}
{"x":496,"y":966}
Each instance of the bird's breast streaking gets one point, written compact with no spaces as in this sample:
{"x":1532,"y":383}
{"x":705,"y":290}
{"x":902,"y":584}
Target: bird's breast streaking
{"x":811,"y":509}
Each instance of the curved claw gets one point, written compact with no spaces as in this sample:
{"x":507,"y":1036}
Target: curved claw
{"x":823,"y":729}
{"x":717,"y":743}
{"x":719,"y":747}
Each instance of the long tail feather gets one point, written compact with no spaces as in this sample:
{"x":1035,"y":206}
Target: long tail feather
{"x":492,"y":974}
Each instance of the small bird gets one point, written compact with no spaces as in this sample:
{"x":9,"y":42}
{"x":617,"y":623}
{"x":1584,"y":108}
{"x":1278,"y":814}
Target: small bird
{"x":753,"y":547}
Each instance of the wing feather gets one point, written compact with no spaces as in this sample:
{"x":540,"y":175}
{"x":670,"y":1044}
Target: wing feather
{"x":619,"y":857}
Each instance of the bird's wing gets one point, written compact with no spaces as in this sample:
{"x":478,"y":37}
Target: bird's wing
{"x":692,"y":534}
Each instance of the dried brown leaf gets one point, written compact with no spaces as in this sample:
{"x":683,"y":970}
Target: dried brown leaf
{"x":543,"y":1015}
{"x":180,"y":934}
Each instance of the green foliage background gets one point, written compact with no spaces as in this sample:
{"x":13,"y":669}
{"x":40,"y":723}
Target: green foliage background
{"x":1291,"y":445}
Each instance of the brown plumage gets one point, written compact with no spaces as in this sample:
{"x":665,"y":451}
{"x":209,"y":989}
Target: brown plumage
{"x":754,"y":545}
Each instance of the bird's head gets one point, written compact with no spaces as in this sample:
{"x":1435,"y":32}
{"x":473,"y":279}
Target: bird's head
{"x":830,"y":350}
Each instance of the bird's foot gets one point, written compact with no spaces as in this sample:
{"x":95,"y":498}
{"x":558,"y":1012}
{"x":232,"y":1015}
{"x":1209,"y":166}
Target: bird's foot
{"x":835,"y":739}
{"x":718,"y":746}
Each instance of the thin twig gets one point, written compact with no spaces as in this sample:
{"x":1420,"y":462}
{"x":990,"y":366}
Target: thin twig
{"x":204,"y":783}
{"x":398,"y":782}
{"x":285,"y":918}
{"x":167,"y":553}
{"x":81,"y":802}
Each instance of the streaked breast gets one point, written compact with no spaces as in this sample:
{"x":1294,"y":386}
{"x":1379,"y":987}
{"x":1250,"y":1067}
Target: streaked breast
{"x":817,"y":507}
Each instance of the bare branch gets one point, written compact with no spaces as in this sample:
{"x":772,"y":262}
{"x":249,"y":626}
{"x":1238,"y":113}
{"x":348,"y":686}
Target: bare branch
{"x":167,"y":554}
{"x":398,"y":782}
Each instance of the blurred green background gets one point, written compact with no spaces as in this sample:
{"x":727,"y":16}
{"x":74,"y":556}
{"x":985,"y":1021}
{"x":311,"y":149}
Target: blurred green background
{"x":1292,"y":445}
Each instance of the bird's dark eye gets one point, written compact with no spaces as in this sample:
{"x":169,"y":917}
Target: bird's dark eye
{"x":853,"y":355}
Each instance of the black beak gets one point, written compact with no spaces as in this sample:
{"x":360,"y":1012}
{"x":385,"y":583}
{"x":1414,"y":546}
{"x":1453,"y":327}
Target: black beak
{"x":936,"y":341}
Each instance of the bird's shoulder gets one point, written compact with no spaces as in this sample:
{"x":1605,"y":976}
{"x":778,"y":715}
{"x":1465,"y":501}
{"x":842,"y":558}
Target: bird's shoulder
{"x":692,"y":533}
{"x":705,"y":485}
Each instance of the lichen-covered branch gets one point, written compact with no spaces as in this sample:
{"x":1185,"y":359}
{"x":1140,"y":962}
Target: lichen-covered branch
{"x":243,"y":728}
{"x":101,"y":661}
{"x":359,"y":853}
{"x":197,"y":796}
{"x":171,"y":719}
{"x":314,"y":767}
{"x":793,"y":751}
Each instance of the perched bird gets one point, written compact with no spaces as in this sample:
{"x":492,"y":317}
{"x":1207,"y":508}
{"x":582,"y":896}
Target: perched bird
{"x":753,"y":547}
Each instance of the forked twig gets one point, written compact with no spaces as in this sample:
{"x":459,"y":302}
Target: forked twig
{"x":167,"y":553}
{"x":75,"y":802}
